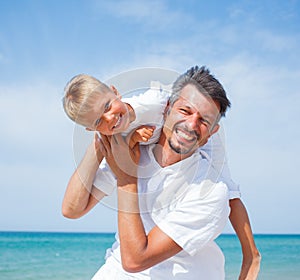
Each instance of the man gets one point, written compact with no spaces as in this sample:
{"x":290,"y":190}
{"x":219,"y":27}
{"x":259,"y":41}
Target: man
{"x":172,"y":236}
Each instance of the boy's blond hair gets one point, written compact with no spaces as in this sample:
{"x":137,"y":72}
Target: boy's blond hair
{"x":81,"y":93}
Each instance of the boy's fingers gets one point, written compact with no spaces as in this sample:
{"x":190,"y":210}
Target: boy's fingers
{"x":152,"y":128}
{"x":149,"y":132}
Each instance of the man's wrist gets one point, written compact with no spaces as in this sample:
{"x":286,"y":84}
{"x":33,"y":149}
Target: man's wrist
{"x":128,"y":198}
{"x":128,"y":183}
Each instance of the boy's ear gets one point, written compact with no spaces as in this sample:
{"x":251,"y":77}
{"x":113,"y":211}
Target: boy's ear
{"x":116,"y":92}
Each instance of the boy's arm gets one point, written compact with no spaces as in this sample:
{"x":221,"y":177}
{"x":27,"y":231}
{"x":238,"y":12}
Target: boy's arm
{"x":81,"y":196}
{"x":241,"y":224}
{"x":141,"y":134}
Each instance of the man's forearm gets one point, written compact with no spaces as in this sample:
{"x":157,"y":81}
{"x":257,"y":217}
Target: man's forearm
{"x":133,"y":239}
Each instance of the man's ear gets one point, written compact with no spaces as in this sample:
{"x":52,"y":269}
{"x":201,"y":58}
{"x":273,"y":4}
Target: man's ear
{"x":215,"y":129}
{"x":116,"y":92}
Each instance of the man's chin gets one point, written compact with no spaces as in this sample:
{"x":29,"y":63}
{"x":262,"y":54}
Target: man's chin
{"x":180,"y":149}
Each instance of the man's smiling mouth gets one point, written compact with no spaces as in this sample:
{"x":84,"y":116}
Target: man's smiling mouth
{"x":185,"y":135}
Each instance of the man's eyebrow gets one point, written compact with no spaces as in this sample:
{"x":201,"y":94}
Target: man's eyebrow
{"x":186,"y":106}
{"x":208,"y":117}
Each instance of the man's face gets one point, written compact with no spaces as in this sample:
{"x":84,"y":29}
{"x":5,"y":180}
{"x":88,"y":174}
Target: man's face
{"x":190,"y":121}
{"x":109,"y":115}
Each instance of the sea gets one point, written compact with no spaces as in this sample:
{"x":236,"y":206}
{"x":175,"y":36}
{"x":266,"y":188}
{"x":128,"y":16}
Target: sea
{"x":77,"y":256}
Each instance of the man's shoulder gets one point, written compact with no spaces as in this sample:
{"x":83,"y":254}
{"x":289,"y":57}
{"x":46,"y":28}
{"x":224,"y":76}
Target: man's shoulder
{"x":213,"y":188}
{"x":205,"y":179}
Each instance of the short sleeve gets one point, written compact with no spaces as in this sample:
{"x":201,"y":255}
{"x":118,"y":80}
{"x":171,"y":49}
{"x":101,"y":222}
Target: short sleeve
{"x":215,"y":152}
{"x":105,"y":179}
{"x":149,"y":108}
{"x":197,"y":219}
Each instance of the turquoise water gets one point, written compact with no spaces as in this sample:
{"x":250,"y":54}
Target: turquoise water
{"x":77,"y":256}
{"x":280,"y":256}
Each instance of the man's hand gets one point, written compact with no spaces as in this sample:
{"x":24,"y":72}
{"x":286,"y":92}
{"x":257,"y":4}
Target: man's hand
{"x":122,"y":159}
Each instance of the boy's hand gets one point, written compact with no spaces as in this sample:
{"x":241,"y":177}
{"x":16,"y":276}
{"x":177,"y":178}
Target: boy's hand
{"x":141,"y":134}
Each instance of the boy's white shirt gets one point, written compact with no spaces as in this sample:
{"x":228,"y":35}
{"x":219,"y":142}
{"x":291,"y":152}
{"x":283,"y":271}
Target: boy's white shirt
{"x":149,"y":108}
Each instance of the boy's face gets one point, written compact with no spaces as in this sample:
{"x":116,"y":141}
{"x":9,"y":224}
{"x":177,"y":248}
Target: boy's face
{"x":109,"y":115}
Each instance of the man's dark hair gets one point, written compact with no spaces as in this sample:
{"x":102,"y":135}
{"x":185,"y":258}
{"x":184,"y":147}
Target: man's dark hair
{"x":205,"y":82}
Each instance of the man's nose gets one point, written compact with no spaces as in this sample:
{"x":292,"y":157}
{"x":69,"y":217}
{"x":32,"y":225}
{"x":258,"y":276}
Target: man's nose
{"x":194,"y":122}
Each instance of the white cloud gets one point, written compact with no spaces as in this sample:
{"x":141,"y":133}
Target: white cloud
{"x":275,"y":42}
{"x":31,"y":114}
{"x":262,"y":134}
{"x":36,"y":156}
{"x":248,"y":76}
{"x":138,"y":10}
{"x":154,"y":13}
{"x":36,"y":143}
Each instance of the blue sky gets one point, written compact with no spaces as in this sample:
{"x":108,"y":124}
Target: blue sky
{"x":252,"y":47}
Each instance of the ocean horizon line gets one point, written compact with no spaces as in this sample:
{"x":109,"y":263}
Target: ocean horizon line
{"x":112,"y":232}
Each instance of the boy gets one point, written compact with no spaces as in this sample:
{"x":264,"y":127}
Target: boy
{"x":97,"y":107}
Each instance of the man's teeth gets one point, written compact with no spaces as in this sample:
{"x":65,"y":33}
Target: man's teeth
{"x":180,"y":133}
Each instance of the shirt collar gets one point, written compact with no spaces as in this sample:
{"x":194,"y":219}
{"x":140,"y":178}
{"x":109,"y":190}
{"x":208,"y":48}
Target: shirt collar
{"x":151,"y":166}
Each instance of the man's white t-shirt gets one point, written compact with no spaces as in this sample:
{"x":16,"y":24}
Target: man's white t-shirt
{"x":184,"y":201}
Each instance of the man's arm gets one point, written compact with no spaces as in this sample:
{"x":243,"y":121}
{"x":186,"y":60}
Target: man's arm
{"x":241,"y":224}
{"x":138,"y":250}
{"x":81,"y":196}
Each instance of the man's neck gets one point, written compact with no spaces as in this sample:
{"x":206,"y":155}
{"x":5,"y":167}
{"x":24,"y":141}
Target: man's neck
{"x":164,"y":155}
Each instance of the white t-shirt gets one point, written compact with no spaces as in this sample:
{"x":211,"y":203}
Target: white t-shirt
{"x":149,"y":108}
{"x":186,"y":203}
